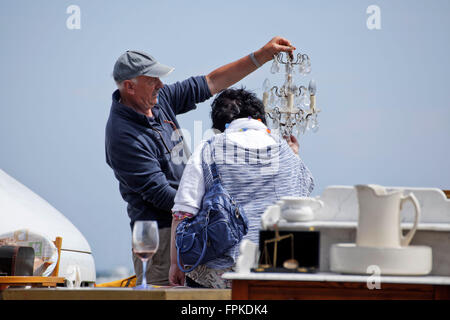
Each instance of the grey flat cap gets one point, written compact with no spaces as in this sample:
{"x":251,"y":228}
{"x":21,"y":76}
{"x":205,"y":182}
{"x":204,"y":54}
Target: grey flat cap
{"x":138,"y":63}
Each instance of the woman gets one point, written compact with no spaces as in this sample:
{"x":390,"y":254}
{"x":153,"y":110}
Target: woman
{"x":256,"y":167}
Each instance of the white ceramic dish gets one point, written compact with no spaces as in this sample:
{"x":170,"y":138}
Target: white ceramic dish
{"x":410,"y":260}
{"x":299,"y":209}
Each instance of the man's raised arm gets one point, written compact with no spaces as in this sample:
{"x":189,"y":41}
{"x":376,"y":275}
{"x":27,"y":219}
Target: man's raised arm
{"x":227,"y":75}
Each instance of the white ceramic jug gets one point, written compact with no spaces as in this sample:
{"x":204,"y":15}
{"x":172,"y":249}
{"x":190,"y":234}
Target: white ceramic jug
{"x":379,"y":217}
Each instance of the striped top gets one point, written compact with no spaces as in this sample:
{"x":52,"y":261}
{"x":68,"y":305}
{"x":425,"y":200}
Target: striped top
{"x":255,"y":178}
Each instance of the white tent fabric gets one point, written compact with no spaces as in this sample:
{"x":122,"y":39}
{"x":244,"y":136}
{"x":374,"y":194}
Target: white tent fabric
{"x":21,"y":208}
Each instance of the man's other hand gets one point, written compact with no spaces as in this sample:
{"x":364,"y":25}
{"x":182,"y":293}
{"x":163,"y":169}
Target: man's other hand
{"x":293,"y":143}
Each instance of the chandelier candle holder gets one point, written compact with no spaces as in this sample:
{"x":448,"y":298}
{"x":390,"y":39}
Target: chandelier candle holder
{"x":291,"y":108}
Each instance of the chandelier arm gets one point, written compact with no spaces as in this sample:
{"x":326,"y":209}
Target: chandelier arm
{"x":300,"y":89}
{"x":280,"y":58}
{"x":299,"y":58}
{"x":270,"y":115}
{"x":274,"y":87}
{"x":277,"y":57}
{"x":278,"y":91}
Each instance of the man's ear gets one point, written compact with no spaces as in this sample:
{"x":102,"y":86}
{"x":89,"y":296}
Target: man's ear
{"x":129,"y":86}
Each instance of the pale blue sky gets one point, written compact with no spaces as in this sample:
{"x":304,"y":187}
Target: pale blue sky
{"x":384,"y":94}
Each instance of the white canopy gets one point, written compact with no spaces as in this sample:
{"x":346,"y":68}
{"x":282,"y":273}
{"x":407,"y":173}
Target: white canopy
{"x":21,"y":208}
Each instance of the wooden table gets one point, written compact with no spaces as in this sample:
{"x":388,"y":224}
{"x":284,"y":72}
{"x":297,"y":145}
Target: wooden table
{"x":6,"y":281}
{"x":62,"y":293}
{"x":323,"y":286}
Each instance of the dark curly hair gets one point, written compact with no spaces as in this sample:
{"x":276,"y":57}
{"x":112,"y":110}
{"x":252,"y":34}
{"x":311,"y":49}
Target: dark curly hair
{"x":233,"y":104}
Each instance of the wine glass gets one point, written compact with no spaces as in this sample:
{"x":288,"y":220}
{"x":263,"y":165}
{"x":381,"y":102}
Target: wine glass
{"x":145,"y":244}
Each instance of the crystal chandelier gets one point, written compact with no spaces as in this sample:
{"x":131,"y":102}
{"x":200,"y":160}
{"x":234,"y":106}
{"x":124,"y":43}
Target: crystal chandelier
{"x":292,"y":109}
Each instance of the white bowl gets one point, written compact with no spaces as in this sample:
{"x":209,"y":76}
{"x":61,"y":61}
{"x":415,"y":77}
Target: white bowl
{"x":409,"y":260}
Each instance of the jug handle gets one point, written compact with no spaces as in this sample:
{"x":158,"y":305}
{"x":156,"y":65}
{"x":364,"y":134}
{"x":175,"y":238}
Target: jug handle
{"x":405,"y":240}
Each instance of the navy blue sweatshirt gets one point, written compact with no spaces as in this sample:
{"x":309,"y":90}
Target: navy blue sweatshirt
{"x":139,"y":149}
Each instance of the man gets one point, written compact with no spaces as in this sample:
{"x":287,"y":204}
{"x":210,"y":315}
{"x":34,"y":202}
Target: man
{"x":142,"y":141}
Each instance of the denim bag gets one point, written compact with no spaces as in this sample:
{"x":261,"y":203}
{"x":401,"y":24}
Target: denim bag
{"x":218,"y":226}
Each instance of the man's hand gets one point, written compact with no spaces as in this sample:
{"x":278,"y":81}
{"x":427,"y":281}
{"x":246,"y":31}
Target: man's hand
{"x":274,"y":46}
{"x":293,"y":143}
{"x":176,"y":276}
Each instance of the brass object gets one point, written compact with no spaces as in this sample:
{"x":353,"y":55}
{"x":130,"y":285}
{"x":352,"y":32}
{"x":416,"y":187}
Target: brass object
{"x":288,"y":264}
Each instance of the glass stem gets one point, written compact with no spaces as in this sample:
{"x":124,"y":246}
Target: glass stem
{"x":144,"y":271}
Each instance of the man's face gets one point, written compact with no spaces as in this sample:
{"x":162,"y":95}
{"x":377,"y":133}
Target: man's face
{"x":145,"y":91}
